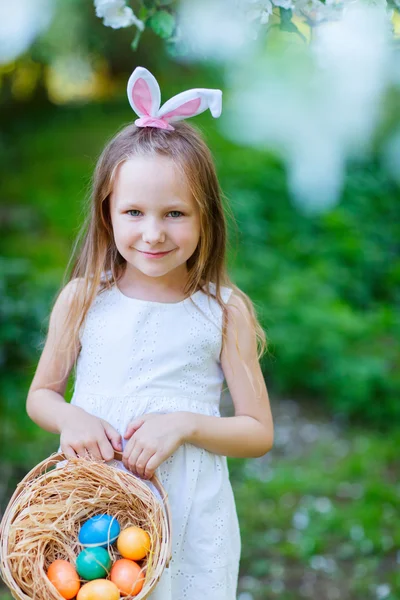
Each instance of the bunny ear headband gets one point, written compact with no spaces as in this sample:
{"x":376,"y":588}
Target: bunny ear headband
{"x":145,"y":98}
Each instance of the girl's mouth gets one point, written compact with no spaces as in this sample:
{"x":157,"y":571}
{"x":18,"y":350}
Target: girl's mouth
{"x":154,"y":254}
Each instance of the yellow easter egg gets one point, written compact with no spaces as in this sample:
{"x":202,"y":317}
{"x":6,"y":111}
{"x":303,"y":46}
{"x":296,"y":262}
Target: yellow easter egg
{"x":133,"y":543}
{"x":99,"y":589}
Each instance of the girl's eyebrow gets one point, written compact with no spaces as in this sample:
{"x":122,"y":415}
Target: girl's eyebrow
{"x":170,"y":206}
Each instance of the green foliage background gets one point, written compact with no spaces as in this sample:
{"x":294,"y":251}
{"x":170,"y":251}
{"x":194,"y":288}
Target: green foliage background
{"x":326,"y":287}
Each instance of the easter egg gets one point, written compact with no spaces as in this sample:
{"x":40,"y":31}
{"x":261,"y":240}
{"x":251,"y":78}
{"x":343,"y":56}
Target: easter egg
{"x":99,"y":589}
{"x":100,"y":530}
{"x":93,"y":563}
{"x":127,"y":576}
{"x":133,"y":543}
{"x":64,"y":578}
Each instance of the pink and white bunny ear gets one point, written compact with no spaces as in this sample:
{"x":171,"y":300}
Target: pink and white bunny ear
{"x":145,"y":97}
{"x":144,"y":93}
{"x":191,"y":103}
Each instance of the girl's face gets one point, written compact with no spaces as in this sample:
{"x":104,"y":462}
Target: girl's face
{"x":155,"y":220}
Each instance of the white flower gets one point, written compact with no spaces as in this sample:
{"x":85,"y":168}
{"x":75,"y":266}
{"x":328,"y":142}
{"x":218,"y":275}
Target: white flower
{"x":265,"y":16}
{"x":283,"y":3}
{"x":116,"y":14}
{"x":313,"y":10}
{"x":21,"y":22}
{"x":260,"y":12}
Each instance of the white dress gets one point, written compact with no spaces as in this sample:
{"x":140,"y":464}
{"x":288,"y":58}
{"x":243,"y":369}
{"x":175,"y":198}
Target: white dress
{"x":142,"y":357}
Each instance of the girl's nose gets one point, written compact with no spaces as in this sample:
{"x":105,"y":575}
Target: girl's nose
{"x":153,"y":233}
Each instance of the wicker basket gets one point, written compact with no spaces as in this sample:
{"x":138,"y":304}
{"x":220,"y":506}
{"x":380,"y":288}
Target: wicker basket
{"x":30,"y":511}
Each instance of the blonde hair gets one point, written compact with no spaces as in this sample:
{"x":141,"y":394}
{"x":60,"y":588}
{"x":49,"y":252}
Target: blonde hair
{"x":95,"y":252}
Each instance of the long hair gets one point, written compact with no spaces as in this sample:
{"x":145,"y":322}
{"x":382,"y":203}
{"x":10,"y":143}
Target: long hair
{"x":95,"y":253}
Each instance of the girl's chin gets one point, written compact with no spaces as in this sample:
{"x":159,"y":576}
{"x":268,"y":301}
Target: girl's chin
{"x":153,"y":269}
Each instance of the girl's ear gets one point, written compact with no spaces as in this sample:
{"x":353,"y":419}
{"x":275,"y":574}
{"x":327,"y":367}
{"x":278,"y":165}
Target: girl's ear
{"x":144,"y":93}
{"x":191,"y":103}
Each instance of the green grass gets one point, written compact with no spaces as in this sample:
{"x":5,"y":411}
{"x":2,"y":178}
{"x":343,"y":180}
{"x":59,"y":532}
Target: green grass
{"x":326,"y":510}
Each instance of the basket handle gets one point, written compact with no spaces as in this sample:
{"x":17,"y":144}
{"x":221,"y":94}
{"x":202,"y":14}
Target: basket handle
{"x":59,"y":456}
{"x":154,"y":480}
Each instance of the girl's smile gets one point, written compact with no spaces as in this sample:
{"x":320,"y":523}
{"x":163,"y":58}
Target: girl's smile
{"x":154,"y":254}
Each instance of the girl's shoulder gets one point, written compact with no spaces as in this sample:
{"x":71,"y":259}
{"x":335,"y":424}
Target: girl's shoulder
{"x":71,"y":289}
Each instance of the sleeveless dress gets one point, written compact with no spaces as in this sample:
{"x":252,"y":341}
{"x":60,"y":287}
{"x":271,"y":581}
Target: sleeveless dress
{"x":140,"y":357}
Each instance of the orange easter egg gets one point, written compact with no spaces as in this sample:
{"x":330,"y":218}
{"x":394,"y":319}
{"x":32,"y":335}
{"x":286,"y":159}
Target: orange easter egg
{"x":64,"y":578}
{"x":99,"y":589}
{"x":133,"y":543}
{"x":127,"y":576}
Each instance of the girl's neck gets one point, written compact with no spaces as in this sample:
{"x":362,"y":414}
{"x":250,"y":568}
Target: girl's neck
{"x":169,"y":288}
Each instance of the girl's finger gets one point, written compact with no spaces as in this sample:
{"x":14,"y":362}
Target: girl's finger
{"x":142,"y":461}
{"x":113,"y":436}
{"x":132,"y":458}
{"x":80,"y":450}
{"x":69,"y":452}
{"x":153,"y":463}
{"x":129,"y":448}
{"x":105,"y":448}
{"x":94,"y":450}
{"x":132,"y":427}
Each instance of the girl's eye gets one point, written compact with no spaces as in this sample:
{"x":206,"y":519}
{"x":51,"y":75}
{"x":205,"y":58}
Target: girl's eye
{"x":133,"y":212}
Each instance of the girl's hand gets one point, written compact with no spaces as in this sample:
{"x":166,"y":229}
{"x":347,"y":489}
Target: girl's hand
{"x":152,"y":439}
{"x":83,"y":432}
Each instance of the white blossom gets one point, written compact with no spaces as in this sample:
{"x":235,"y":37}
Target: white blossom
{"x":116,"y":14}
{"x":21,"y":22}
{"x":313,"y":10}
{"x":287,"y":4}
{"x":319,"y":121}
{"x":264,"y":18}
{"x":203,"y":36}
{"x":261,"y":12}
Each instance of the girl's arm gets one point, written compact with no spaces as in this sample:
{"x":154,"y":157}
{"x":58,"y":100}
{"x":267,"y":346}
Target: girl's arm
{"x":250,"y":432}
{"x":45,"y":403}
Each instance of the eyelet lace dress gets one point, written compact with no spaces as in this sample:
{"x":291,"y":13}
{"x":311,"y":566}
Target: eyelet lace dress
{"x":140,"y":357}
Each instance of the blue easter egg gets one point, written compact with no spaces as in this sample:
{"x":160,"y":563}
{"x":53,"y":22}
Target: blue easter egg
{"x":100,"y":530}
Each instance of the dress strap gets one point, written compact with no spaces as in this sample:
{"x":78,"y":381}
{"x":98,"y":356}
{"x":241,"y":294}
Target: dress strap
{"x":226,"y":293}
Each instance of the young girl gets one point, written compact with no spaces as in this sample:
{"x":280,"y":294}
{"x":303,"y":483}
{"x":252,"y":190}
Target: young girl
{"x":154,"y":325}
